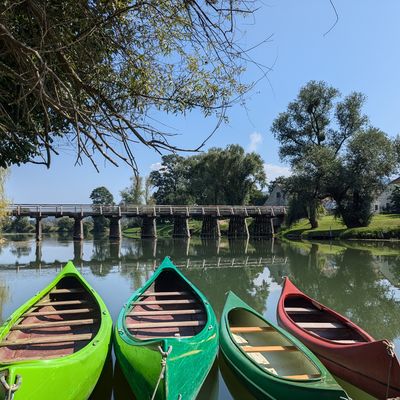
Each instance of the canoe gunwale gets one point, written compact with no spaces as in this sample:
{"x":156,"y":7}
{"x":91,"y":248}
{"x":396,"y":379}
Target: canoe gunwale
{"x":289,"y":337}
{"x":131,"y":339}
{"x":68,"y":271}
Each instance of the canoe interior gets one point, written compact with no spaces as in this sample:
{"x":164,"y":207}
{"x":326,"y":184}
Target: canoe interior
{"x":267,"y":347}
{"x":168,"y":308}
{"x":59,"y":324}
{"x":304,"y":313}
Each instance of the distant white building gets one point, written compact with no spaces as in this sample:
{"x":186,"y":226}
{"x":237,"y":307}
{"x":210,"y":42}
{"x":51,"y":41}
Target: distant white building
{"x":382,"y":202}
{"x":277,"y":197}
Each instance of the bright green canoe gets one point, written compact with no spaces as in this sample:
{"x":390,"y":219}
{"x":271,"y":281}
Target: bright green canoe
{"x":166,"y":337}
{"x":269,"y":361}
{"x":55,"y":345}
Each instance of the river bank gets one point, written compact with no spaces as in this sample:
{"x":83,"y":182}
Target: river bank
{"x":382,"y":227}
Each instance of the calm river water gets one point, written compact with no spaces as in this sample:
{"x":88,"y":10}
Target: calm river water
{"x":358,"y":279}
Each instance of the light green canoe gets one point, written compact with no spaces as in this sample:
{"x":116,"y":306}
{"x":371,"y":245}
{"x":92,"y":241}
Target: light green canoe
{"x":270,"y":362}
{"x":55,"y":345}
{"x":166,"y":337}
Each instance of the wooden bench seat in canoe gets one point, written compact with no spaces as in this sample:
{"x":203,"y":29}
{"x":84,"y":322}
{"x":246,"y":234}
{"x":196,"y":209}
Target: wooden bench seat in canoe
{"x":306,"y":377}
{"x":251,"y":329}
{"x":47,"y":340}
{"x":266,"y":349}
{"x":67,"y":291}
{"x":302,"y":310}
{"x":146,"y":294}
{"x":61,"y":303}
{"x":38,"y":325}
{"x":171,"y":324}
{"x":59,"y":312}
{"x":321,"y":325}
{"x":155,"y":302}
{"x":164,"y":312}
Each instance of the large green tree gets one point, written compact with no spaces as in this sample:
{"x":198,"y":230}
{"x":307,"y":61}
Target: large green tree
{"x":134,"y":193}
{"x":91,"y":73}
{"x":171,"y":181}
{"x":3,"y":200}
{"x":369,"y":158}
{"x":226,"y":176}
{"x":312,"y":133}
{"x":101,"y":196}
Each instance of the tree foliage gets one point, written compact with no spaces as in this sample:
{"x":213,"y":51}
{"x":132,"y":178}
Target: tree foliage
{"x":133,"y":194}
{"x":219,"y":176}
{"x":370,"y":157}
{"x":312,"y":133}
{"x":101,"y":196}
{"x":3,"y":199}
{"x":89,"y":74}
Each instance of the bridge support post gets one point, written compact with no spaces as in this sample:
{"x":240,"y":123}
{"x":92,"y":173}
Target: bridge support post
{"x":115,"y":228}
{"x":78,"y":228}
{"x":149,"y":228}
{"x":181,"y":227}
{"x":210,"y":227}
{"x":263,"y":227}
{"x":38,"y":229}
{"x":238,"y":227}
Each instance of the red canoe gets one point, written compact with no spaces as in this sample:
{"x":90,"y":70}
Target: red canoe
{"x":345,"y":349}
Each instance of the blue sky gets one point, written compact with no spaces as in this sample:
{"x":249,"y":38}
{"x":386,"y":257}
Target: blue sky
{"x":361,"y":53}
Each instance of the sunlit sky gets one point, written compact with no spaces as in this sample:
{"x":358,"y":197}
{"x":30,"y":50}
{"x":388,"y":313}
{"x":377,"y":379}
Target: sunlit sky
{"x":360,"y":53}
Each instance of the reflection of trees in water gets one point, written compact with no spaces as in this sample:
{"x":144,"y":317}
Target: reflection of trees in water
{"x":21,"y":249}
{"x":349,"y":283}
{"x":4,"y":295}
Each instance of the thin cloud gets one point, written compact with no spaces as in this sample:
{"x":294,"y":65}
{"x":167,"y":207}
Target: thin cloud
{"x":273,"y":171}
{"x":255,"y":140}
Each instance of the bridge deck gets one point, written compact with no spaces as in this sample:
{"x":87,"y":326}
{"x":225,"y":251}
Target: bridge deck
{"x":90,"y":210}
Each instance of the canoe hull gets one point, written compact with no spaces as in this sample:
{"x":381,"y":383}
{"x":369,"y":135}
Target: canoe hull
{"x":366,"y":365}
{"x":71,"y":377}
{"x":188,"y":363}
{"x":268,"y":386}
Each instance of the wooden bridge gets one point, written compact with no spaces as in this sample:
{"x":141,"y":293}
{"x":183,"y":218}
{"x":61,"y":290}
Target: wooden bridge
{"x":266,"y":218}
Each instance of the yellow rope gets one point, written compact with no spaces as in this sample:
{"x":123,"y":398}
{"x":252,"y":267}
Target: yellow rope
{"x":164,"y":355}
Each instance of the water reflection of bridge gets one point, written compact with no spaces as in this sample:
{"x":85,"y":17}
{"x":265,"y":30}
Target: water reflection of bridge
{"x":147,"y":254}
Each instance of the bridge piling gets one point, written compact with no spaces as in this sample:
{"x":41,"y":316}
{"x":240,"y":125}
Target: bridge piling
{"x":210,"y":227}
{"x":78,"y":228}
{"x":181,"y":227}
{"x":39,"y":234}
{"x":149,"y":228}
{"x":115,"y":228}
{"x":238,"y":227}
{"x":263,"y":227}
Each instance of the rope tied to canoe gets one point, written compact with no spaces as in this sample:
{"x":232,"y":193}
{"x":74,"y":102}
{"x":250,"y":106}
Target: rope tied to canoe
{"x":11,"y":389}
{"x":164,"y":356}
{"x":392,"y":355}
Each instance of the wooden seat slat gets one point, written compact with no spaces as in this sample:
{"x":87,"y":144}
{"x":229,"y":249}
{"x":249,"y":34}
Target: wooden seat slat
{"x":346,"y":341}
{"x":164,"y":312}
{"x":171,"y":324}
{"x":53,"y":324}
{"x":320,"y":325}
{"x":303,"y":376}
{"x":65,"y":291}
{"x":155,"y":302}
{"x":47,"y":340}
{"x":301,"y":310}
{"x":61,"y":303}
{"x":261,"y":349}
{"x":59,"y":312}
{"x":165,"y":294}
{"x":251,"y":329}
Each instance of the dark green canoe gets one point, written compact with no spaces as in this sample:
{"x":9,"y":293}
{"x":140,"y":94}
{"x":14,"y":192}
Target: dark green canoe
{"x":166,"y":337}
{"x":55,"y":345}
{"x":269,"y":361}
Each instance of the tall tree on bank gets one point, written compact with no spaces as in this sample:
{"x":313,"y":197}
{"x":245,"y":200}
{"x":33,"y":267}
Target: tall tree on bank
{"x":133,"y":194}
{"x":369,"y":158}
{"x":101,"y":196}
{"x":219,"y":176}
{"x":171,"y":181}
{"x":3,"y":199}
{"x":226,"y":176}
{"x":90,"y":74}
{"x":312,"y":133}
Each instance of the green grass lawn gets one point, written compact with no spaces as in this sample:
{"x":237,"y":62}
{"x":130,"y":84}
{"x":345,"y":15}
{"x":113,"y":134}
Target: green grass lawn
{"x":382,"y":226}
{"x":165,"y":230}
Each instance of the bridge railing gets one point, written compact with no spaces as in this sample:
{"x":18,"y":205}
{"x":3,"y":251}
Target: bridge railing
{"x":142,"y":210}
